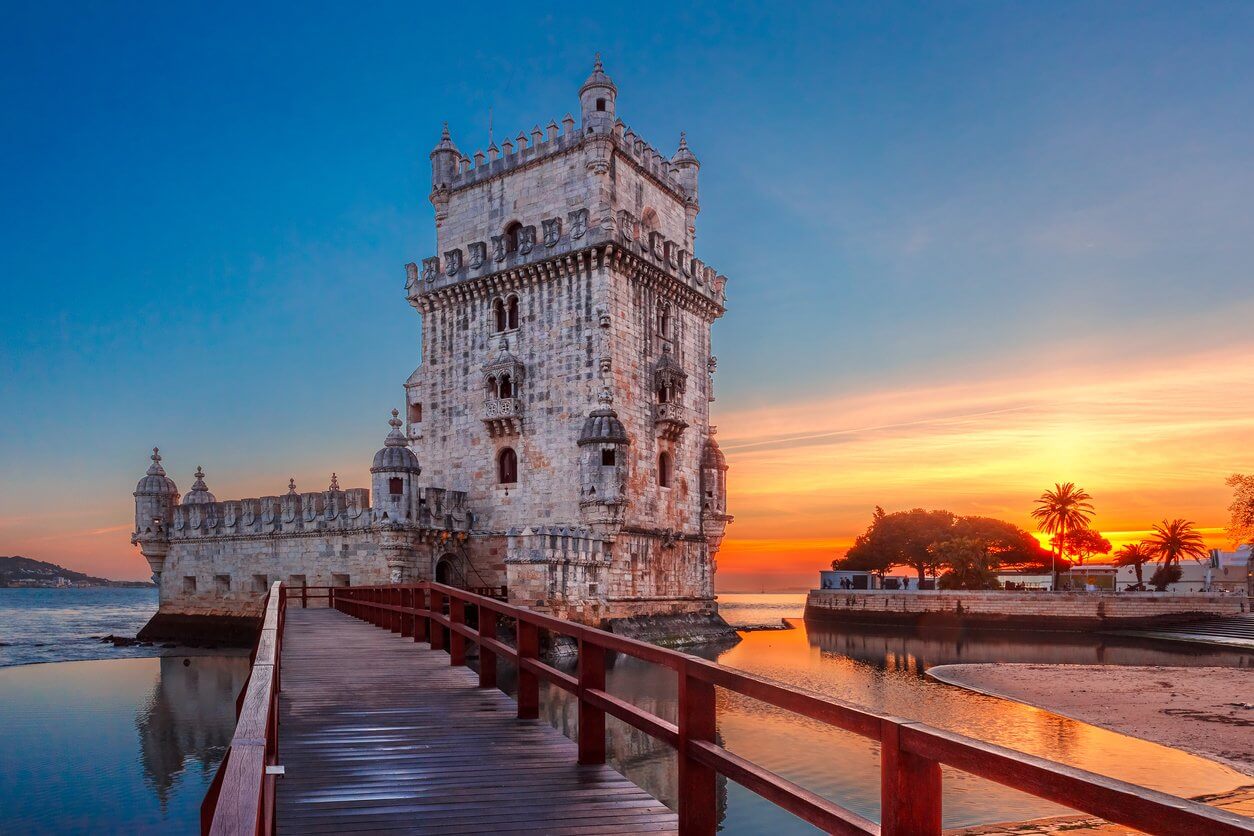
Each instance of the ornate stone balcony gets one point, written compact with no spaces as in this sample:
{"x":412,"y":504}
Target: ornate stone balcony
{"x":668,"y":420}
{"x":503,"y":416}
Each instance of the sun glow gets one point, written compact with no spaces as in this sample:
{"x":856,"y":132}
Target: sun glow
{"x":1148,"y":443}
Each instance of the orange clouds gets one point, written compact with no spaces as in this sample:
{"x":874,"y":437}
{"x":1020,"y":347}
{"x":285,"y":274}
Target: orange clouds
{"x":1148,"y":441}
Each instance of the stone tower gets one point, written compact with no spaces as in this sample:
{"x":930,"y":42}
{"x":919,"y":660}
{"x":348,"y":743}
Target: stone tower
{"x":566,"y":370}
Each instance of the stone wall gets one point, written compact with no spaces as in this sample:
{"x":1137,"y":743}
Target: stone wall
{"x":1011,"y":610}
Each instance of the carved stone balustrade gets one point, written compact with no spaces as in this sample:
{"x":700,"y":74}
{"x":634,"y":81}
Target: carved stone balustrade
{"x":503,"y":416}
{"x":668,"y":420}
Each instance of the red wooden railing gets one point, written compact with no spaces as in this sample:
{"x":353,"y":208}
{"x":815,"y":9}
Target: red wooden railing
{"x":911,"y":754}
{"x":241,"y":797}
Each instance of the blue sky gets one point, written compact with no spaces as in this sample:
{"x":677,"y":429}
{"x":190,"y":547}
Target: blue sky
{"x":208,"y":207}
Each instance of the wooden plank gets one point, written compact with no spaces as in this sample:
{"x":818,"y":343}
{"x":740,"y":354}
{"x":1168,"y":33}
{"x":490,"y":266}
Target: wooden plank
{"x":380,"y":733}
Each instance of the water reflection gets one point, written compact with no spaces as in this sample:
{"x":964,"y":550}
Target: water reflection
{"x":123,"y":745}
{"x":884,"y":671}
{"x":187,"y":721}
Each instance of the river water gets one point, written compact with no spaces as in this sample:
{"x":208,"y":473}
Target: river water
{"x":130,"y":744}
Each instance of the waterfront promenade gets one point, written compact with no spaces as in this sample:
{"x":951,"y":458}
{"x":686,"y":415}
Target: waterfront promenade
{"x":368,"y":713}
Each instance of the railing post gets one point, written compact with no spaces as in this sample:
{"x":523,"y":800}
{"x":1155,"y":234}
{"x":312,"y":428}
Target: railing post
{"x":304,"y":596}
{"x":910,"y":787}
{"x":528,"y":683}
{"x":422,"y":624}
{"x":395,"y":622}
{"x":698,"y":811}
{"x":487,"y":659}
{"x":437,"y":631}
{"x":407,"y":620}
{"x":591,"y":718}
{"x":456,"y":641}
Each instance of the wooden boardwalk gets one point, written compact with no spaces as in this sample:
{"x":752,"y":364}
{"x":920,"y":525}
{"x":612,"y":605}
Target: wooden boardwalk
{"x":379,"y":733}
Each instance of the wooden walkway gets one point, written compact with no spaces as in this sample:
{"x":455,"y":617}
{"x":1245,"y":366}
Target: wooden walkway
{"x":378,"y":733}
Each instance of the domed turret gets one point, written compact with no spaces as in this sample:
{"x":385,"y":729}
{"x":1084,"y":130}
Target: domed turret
{"x":444,"y":159}
{"x":199,"y":494}
{"x":597,"y":99}
{"x":714,"y":516}
{"x":393,"y":477}
{"x":155,"y":482}
{"x":603,"y":446}
{"x":155,"y":498}
{"x":686,"y":166}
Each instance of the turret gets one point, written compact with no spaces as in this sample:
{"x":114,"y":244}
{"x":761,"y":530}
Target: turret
{"x":714,"y":516}
{"x":445,"y":158}
{"x":199,"y":494}
{"x":684,"y":168}
{"x":155,"y":498}
{"x":596,"y":100}
{"x":603,"y":446}
{"x":394,"y":478}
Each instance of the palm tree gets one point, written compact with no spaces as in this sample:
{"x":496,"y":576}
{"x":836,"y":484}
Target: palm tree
{"x":1135,"y":555}
{"x":1177,"y":539}
{"x":1065,"y":508}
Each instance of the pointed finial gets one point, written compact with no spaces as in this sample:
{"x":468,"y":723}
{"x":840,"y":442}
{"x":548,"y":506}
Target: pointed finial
{"x":200,"y":472}
{"x":445,"y":134}
{"x":683,"y":140}
{"x":596,"y":63}
{"x":335,"y":483}
{"x":155,"y":469}
{"x":291,"y":486}
{"x":395,"y":422}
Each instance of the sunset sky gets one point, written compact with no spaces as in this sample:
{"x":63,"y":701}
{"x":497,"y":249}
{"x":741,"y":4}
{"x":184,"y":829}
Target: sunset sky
{"x":972,"y":251}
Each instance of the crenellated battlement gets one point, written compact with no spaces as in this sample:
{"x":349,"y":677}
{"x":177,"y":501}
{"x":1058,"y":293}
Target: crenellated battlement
{"x":541,"y":146}
{"x":556,"y":544}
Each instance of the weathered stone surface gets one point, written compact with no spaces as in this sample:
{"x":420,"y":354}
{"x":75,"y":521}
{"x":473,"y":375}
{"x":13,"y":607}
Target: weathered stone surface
{"x":563,"y":294}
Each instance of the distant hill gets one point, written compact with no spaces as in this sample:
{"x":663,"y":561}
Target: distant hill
{"x":26,"y":572}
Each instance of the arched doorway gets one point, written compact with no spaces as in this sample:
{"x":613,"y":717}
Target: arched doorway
{"x":445,"y":572}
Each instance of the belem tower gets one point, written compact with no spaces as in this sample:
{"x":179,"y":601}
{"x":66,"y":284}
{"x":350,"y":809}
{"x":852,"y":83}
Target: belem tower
{"x":556,"y":436}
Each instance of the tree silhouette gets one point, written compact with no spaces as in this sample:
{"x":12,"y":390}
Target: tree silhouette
{"x":1177,"y":539}
{"x":1063,"y":509}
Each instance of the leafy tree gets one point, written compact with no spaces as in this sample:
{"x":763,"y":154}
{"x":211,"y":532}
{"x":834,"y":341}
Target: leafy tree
{"x":915,"y":538}
{"x":1177,"y":539}
{"x":1084,"y":543}
{"x":1165,"y":575}
{"x":1064,"y":508}
{"x":1241,"y":523}
{"x":902,"y":537}
{"x":1135,"y":555}
{"x":971,"y":566}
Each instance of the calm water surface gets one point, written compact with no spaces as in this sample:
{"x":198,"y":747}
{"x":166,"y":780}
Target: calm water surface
{"x":119,"y":746}
{"x":884,"y":671}
{"x":130,"y":745}
{"x":58,"y":625}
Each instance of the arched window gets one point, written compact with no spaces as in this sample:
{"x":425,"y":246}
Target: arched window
{"x":511,"y":237}
{"x":663,"y":394}
{"x":494,"y":390}
{"x":499,"y":320}
{"x":505,"y":388}
{"x":664,"y":321}
{"x":511,"y":313}
{"x":664,"y":470}
{"x":396,"y":486}
{"x":507,"y":466}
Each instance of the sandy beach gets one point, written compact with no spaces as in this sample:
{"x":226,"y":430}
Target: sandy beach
{"x":1207,"y":711}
